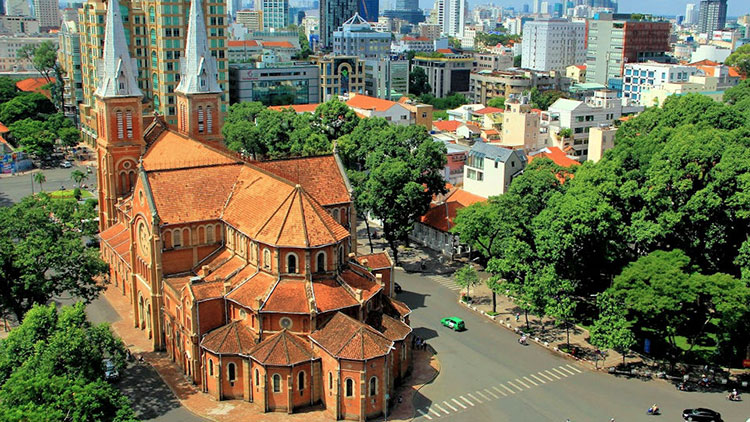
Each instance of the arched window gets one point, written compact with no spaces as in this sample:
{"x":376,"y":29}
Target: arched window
{"x":231,"y":375}
{"x":177,"y":238}
{"x":257,"y":377}
{"x":301,"y":380}
{"x":151,"y":14}
{"x":200,"y":119}
{"x":349,"y":389}
{"x":330,"y":380}
{"x":341,"y":255}
{"x":276,"y":383}
{"x":153,"y":38}
{"x":291,"y":263}
{"x":154,"y":60}
{"x":211,"y":367}
{"x":155,"y":84}
{"x":321,"y":262}
{"x":209,"y":120}
{"x":210,"y":238}
{"x":373,"y":386}
{"x":266,"y":259}
{"x":336,"y":214}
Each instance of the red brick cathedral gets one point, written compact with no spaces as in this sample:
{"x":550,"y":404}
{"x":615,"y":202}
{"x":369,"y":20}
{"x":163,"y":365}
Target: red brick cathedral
{"x":245,"y":273}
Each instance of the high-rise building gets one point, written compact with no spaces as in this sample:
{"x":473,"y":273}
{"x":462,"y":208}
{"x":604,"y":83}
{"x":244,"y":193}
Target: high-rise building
{"x":234,"y":7}
{"x":553,"y":44}
{"x":17,"y":8}
{"x":451,"y":16}
{"x":368,"y":9}
{"x":357,"y":38}
{"x":614,"y":42}
{"x":713,"y":16}
{"x":250,"y":19}
{"x":47,"y":13}
{"x":387,"y":78}
{"x":69,"y":58}
{"x":340,"y":75}
{"x":156,"y":40}
{"x":536,"y":6}
{"x":690,"y":14}
{"x":275,"y":13}
{"x":333,"y":13}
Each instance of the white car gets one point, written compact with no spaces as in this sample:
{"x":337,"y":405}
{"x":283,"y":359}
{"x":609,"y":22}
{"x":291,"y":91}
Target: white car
{"x":66,"y":165}
{"x":110,"y":371}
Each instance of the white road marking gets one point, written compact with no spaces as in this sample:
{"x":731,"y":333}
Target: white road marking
{"x":435,"y":412}
{"x":491,"y":393}
{"x":458,"y":403}
{"x":560,"y":372}
{"x":545,"y":376}
{"x":522,"y":383}
{"x":485,"y":397}
{"x":421,"y":412}
{"x":527,"y":379}
{"x":470,"y":395}
{"x":448,"y":405}
{"x":515,"y":386}
{"x":567,"y":370}
{"x":574,"y":368}
{"x":538,"y":379}
{"x":511,"y":391}
{"x":552,"y":373}
{"x":499,"y":391}
{"x":441,"y":409}
{"x":466,"y":400}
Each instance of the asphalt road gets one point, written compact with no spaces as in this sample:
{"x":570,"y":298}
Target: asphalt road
{"x":487,"y":376}
{"x":15,"y":188}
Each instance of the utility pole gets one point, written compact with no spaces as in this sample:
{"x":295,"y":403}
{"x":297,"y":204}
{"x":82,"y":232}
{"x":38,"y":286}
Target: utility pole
{"x":32,"y":182}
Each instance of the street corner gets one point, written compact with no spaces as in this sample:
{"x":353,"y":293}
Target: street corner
{"x":426,"y":368}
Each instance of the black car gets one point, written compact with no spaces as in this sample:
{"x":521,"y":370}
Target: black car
{"x":701,"y":414}
{"x":396,"y":288}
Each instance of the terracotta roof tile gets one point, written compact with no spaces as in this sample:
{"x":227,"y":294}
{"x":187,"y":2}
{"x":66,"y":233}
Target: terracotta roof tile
{"x":225,"y":270}
{"x":441,"y":216}
{"x":375,"y":261}
{"x":330,"y":295}
{"x":214,"y":260}
{"x":282,"y":349}
{"x":242,"y":43}
{"x":397,"y":306}
{"x":231,"y":339}
{"x":445,"y":50}
{"x":113,"y":231}
{"x":319,"y":176}
{"x":205,"y":290}
{"x":393,"y":329}
{"x":355,"y":280}
{"x":33,"y":84}
{"x":369,"y":103}
{"x":177,"y":283}
{"x":182,"y":195}
{"x":3,"y":128}
{"x":289,"y":296}
{"x":254,"y":288}
{"x":488,"y":110}
{"x":172,"y":151}
{"x":346,"y":338}
{"x":557,"y":156}
{"x":277,"y":44}
{"x":446,"y":125}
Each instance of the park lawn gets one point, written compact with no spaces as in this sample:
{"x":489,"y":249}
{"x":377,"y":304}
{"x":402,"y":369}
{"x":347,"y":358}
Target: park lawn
{"x":68,"y":193}
{"x":683,"y":344}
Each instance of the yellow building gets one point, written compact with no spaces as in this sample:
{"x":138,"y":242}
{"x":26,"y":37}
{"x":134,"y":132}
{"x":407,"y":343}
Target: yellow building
{"x":576,"y":72}
{"x":601,"y":139}
{"x":155,"y":31}
{"x":520,"y":125}
{"x":704,"y":85}
{"x":340,"y":75}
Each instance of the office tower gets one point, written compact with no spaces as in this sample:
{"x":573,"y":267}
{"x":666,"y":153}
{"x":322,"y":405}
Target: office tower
{"x":525,"y":8}
{"x":234,"y":7}
{"x":275,"y":13}
{"x":451,"y":16}
{"x":558,"y":10}
{"x":368,"y":10}
{"x":47,"y":13}
{"x":357,"y":38}
{"x":333,"y":13}
{"x":614,"y":42}
{"x":156,"y":34}
{"x":17,"y":8}
{"x":539,"y":52}
{"x":690,"y":14}
{"x":713,"y":16}
{"x":537,"y":5}
{"x":250,"y":19}
{"x":544,"y":8}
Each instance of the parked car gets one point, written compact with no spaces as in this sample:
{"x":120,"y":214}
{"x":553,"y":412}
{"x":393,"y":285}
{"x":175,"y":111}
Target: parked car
{"x":66,"y":165}
{"x":701,"y":414}
{"x":397,"y":288}
{"x":454,"y":323}
{"x":110,"y":371}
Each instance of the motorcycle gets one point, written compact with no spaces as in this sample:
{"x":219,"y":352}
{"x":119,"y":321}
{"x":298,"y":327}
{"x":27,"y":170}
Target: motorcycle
{"x":734,"y":397}
{"x":653,"y":412}
{"x":522,"y":341}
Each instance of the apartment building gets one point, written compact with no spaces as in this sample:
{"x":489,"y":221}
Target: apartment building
{"x":553,"y":44}
{"x":520,"y":128}
{"x":640,"y":77}
{"x":275,"y":13}
{"x":576,"y":73}
{"x":447,"y":74}
{"x":485,"y":85}
{"x":492,"y":62}
{"x":47,"y":13}
{"x":712,"y":16}
{"x":418,"y":44}
{"x":250,"y":19}
{"x":333,"y":13}
{"x":69,"y":58}
{"x":490,"y":169}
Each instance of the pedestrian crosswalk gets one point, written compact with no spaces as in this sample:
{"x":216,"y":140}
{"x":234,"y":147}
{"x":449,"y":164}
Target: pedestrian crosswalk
{"x":507,"y":388}
{"x":446,"y":282}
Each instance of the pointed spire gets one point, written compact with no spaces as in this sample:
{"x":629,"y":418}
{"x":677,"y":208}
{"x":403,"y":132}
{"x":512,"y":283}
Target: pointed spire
{"x":198,"y":67}
{"x":116,"y":76}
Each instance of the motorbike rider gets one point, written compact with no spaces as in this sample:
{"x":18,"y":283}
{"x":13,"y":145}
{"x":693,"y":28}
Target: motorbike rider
{"x":654,"y":409}
{"x":734,"y":395}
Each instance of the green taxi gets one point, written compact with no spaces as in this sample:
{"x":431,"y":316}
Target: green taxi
{"x":454,"y":323}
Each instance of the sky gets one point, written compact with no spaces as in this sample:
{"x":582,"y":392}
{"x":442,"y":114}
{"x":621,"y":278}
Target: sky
{"x":656,"y":7}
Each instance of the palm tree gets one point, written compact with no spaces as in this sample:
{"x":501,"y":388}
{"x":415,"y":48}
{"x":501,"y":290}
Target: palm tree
{"x":40,"y":178}
{"x":78,"y":176}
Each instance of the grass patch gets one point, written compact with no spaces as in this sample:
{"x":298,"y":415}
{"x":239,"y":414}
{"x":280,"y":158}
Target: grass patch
{"x":683,"y":344}
{"x":492,"y":313}
{"x":68,"y":193}
{"x":439,"y":114}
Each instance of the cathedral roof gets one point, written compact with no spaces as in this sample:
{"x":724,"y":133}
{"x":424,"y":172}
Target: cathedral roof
{"x":282,"y":349}
{"x":289,"y":296}
{"x":320,"y":176}
{"x":198,"y":66}
{"x":346,"y":338}
{"x":172,"y":150}
{"x":330,"y":295}
{"x":116,"y":77}
{"x":231,"y":339}
{"x":252,"y":290}
{"x":392,"y":328}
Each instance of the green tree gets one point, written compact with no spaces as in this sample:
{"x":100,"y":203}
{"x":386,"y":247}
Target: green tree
{"x":495,"y":285}
{"x":454,"y":42}
{"x":42,"y":253}
{"x":740,"y":59}
{"x":418,"y":83}
{"x":43,"y":57}
{"x":498,"y":102}
{"x":542,"y":100}
{"x":78,"y":176}
{"x":517,"y":61}
{"x":612,"y":330}
{"x":69,"y":136}
{"x":8,"y":89}
{"x":467,"y":277}
{"x":26,"y":105}
{"x":304,"y":45}
{"x":484,"y":39}
{"x":335,"y":119}
{"x":40,"y":178}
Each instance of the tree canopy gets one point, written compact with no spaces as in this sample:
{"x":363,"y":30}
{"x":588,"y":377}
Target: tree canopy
{"x":740,"y":58}
{"x":418,"y":83}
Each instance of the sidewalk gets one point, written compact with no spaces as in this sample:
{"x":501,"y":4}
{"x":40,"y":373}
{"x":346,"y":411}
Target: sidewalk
{"x":426,"y":367}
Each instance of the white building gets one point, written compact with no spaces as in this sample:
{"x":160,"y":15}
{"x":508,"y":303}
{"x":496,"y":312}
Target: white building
{"x":9,"y":46}
{"x":553,"y":44}
{"x":489,"y":169}
{"x":641,"y":77}
{"x":691,"y":14}
{"x":418,"y":44}
{"x":357,"y":38}
{"x":710,"y":52}
{"x":451,"y":15}
{"x":47,"y":13}
{"x":17,"y":8}
{"x":391,"y":111}
{"x":275,"y":13}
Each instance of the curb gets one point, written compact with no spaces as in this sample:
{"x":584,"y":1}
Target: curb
{"x":437,"y":372}
{"x":537,"y":340}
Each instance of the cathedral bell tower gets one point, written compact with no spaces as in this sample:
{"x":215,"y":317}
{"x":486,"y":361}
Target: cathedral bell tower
{"x":198,"y":93}
{"x":119,"y":119}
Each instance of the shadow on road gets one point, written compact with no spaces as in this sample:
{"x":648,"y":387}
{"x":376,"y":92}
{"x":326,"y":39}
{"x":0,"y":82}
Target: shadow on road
{"x":5,"y":200}
{"x":148,"y":394}
{"x":412,"y":299}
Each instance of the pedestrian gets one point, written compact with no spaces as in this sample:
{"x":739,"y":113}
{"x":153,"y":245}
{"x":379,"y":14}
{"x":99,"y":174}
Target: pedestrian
{"x":518,"y":316}
{"x":127,"y":355}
